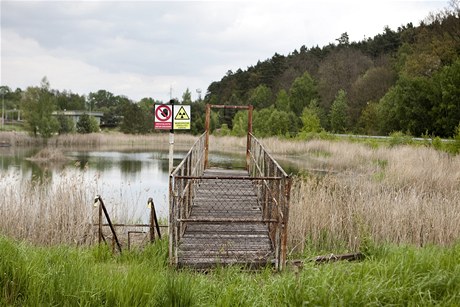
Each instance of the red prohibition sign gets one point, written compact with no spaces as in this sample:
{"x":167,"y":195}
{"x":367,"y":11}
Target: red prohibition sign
{"x":163,"y":113}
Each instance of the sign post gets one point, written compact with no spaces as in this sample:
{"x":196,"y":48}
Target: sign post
{"x":171,"y":144}
{"x":172,"y":117}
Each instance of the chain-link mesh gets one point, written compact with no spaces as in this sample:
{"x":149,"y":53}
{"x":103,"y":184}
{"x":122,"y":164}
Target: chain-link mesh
{"x":229,"y":216}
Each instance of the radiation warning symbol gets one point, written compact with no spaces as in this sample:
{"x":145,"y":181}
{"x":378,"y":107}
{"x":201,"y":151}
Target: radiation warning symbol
{"x":181,"y":117}
{"x":182,"y":114}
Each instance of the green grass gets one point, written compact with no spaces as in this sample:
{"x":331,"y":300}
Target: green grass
{"x":70,"y":276}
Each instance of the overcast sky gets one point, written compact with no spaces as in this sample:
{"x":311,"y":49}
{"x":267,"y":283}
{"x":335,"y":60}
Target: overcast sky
{"x":145,"y":48}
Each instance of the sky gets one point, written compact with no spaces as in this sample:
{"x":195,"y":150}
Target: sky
{"x":158,"y":49}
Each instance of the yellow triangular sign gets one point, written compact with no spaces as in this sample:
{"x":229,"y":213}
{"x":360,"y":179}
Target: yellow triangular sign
{"x":182,"y":114}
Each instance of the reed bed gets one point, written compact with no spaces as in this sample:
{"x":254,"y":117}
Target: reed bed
{"x":95,"y":139}
{"x":403,"y":195}
{"x":46,"y":214}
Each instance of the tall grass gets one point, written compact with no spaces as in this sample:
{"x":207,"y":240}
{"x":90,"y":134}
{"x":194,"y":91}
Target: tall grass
{"x":95,"y":139}
{"x":44,"y":213}
{"x":404,"y":194}
{"x":66,"y":276}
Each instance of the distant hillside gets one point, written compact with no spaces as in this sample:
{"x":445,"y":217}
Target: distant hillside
{"x":405,"y":80}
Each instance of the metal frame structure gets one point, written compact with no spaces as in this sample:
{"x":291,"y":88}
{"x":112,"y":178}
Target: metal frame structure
{"x":268,"y":179}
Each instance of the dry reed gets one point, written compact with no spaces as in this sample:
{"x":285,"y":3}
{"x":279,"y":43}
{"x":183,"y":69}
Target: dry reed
{"x":408,"y":195}
{"x":95,"y":139}
{"x":400,"y":194}
{"x":46,"y":214}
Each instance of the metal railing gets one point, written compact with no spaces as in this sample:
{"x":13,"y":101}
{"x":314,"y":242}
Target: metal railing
{"x":249,"y":203}
{"x":181,"y":191}
{"x":273,"y":190}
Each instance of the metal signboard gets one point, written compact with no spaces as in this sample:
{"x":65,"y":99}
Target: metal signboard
{"x":163,"y":116}
{"x":181,"y":117}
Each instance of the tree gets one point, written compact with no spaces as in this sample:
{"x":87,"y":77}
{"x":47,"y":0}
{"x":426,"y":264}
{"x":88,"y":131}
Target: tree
{"x":240,"y":123}
{"x":339,"y":70}
{"x":311,"y":123}
{"x":407,"y":107}
{"x":369,"y":87}
{"x":368,"y":121}
{"x":135,"y":120}
{"x":260,"y":97}
{"x":339,"y":113}
{"x":446,"y":102}
{"x":344,"y":39}
{"x":279,"y":123}
{"x":67,"y":100}
{"x":66,"y":124}
{"x":38,"y":104}
{"x":101,"y":99}
{"x":87,"y":124}
{"x":187,"y":97}
{"x":302,"y":91}
{"x":282,"y":101}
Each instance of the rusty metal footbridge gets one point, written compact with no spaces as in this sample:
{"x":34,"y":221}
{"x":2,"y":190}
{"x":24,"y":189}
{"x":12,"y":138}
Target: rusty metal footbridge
{"x":227,"y":216}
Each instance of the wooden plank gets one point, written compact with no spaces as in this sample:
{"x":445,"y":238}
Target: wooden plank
{"x":207,"y":243}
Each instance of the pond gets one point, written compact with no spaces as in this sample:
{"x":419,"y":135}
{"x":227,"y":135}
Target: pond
{"x":124,"y":178}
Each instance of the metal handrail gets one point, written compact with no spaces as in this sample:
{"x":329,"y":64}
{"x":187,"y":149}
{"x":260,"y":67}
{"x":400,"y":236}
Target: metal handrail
{"x":274,"y":194}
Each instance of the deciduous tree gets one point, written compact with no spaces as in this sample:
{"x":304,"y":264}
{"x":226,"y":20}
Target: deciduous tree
{"x":38,"y":104}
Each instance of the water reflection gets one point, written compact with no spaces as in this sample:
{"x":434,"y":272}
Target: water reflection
{"x":124,"y":178}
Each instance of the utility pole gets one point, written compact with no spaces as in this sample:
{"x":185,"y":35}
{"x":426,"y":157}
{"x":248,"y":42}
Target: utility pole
{"x":3,"y":108}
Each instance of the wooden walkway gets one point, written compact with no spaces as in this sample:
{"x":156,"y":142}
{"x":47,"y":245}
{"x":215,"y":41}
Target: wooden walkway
{"x":225,"y":228}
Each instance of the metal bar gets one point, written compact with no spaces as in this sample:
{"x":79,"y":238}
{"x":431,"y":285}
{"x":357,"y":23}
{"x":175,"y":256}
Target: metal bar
{"x":153,"y":221}
{"x":131,"y":225}
{"x":221,"y":106}
{"x":101,"y":203}
{"x":181,"y":164}
{"x":271,"y":158}
{"x":171,"y":220}
{"x":208,"y":220}
{"x":248,"y":139}
{"x":227,"y":178}
{"x":129,"y":237}
{"x":100,"y":236}
{"x":207,"y":128}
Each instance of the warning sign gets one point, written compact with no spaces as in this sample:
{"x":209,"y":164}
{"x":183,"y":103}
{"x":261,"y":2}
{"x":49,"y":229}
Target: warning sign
{"x":163,"y":116}
{"x":182,"y":117}
{"x":182,"y":114}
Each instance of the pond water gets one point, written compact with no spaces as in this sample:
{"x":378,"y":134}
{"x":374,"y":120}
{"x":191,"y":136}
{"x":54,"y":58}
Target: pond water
{"x":124,"y":178}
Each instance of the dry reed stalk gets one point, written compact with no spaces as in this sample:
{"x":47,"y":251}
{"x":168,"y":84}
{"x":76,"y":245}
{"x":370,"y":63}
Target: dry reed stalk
{"x":401,"y":195}
{"x":96,"y":139}
{"x":117,"y":138}
{"x":46,"y":215}
{"x":18,"y":138}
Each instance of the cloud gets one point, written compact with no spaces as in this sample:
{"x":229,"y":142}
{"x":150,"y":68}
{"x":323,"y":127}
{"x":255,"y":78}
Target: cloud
{"x":143,"y":48}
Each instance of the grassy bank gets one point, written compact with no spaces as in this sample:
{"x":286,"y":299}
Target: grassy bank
{"x":69,"y":276}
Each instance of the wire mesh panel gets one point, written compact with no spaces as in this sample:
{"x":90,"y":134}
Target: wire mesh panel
{"x":225,"y":224}
{"x":229,"y":216}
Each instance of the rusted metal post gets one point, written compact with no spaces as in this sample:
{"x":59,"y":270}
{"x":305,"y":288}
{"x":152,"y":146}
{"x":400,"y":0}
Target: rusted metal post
{"x":101,"y":203}
{"x":153,"y":221}
{"x":172,"y":223}
{"x":284,"y":238}
{"x":248,"y":140}
{"x":100,"y":225}
{"x":151,"y":228}
{"x":207,"y":128}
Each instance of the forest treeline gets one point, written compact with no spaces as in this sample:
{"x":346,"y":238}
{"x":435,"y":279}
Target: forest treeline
{"x":406,"y":80}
